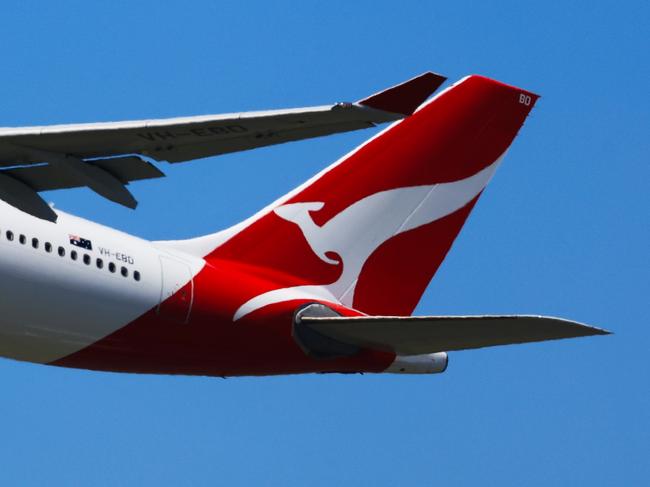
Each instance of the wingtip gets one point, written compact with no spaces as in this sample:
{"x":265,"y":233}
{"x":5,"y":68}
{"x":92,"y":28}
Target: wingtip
{"x":594,"y":330}
{"x":602,"y":331}
{"x":405,"y":97}
{"x":588,"y":330}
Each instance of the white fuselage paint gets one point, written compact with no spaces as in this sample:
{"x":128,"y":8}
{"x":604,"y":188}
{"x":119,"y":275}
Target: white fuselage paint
{"x":52,"y":306}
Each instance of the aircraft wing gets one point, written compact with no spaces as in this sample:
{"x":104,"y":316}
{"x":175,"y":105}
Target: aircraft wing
{"x":415,"y":335}
{"x":63,"y":156}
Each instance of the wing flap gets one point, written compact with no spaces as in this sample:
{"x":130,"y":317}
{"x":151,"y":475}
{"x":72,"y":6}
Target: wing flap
{"x":46,"y":177}
{"x":427,"y":334}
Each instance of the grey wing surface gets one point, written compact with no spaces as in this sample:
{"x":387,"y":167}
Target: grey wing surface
{"x":414,"y":335}
{"x":107,"y":156}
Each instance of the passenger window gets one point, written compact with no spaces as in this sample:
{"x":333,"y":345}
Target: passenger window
{"x":86,"y":259}
{"x":10,"y":235}
{"x":73,"y":255}
{"x":22,"y":239}
{"x":61,"y":251}
{"x":100,"y":263}
{"x":35,"y":243}
{"x":111,"y":267}
{"x":124,"y":271}
{"x":136,"y":275}
{"x":48,"y":247}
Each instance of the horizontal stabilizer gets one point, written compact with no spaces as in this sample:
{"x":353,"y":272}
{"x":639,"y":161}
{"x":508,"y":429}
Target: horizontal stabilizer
{"x":415,"y":335}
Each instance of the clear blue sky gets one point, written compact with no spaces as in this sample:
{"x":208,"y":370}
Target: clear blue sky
{"x":564,"y":229}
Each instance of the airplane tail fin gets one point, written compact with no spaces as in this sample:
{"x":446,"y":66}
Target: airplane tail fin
{"x":371,"y":230}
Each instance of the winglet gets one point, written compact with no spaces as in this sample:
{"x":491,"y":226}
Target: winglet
{"x":407,"y":96}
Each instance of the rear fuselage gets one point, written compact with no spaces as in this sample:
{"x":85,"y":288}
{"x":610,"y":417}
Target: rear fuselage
{"x":365,"y":236}
{"x":78,"y":294}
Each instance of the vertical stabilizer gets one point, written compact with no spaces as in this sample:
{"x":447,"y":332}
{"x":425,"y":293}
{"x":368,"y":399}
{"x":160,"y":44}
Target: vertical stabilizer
{"x":371,"y":231}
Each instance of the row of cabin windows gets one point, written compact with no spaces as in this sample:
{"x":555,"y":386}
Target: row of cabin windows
{"x":74,"y":255}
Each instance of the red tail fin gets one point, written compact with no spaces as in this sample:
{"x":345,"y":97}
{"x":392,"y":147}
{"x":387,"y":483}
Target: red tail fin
{"x":371,"y":230}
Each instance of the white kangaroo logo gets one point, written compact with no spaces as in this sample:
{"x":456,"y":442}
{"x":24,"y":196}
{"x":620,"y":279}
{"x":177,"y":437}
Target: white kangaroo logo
{"x":357,"y":231}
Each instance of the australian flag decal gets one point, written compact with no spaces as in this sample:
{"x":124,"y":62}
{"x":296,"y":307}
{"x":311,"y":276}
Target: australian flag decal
{"x":77,"y":241}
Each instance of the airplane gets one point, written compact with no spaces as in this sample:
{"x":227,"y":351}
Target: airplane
{"x":323,"y":280}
